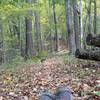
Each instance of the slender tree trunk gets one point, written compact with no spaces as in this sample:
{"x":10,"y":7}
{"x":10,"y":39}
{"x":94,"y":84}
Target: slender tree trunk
{"x":85,"y":26}
{"x":55,"y":23}
{"x":1,"y":45}
{"x":38,"y":41}
{"x":90,"y":18}
{"x":84,"y":31}
{"x":71,"y":37}
{"x":22,"y":51}
{"x":29,"y":41}
{"x":81,"y":27}
{"x":76,"y":25}
{"x":4,"y":56}
{"x":95,"y":17}
{"x":16,"y":30}
{"x":22,"y":25}
{"x":50,"y":31}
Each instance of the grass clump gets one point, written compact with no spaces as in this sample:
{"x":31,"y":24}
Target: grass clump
{"x":70,"y":59}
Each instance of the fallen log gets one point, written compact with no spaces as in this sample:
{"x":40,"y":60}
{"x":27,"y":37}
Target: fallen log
{"x":88,"y":54}
{"x":93,"y":40}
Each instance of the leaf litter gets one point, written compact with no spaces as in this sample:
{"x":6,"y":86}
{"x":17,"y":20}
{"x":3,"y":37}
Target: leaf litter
{"x":29,"y":82}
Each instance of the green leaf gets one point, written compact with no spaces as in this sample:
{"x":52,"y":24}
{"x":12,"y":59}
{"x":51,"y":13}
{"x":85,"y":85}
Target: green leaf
{"x":98,"y":86}
{"x":97,"y":93}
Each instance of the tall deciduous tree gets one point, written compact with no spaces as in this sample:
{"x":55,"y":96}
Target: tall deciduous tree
{"x":90,"y":17}
{"x":82,"y":36}
{"x":76,"y":24}
{"x":1,"y":45}
{"x":95,"y":17}
{"x":29,"y":41}
{"x":50,"y":23}
{"x":71,"y":37}
{"x":55,"y":24}
{"x":38,"y":40}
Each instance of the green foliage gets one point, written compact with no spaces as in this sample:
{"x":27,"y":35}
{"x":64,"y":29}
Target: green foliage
{"x":97,"y":93}
{"x":18,"y":61}
{"x":36,"y":59}
{"x":42,"y":54}
{"x":70,"y":59}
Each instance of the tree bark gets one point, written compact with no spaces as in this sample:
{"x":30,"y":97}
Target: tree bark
{"x":55,"y":23}
{"x":37,"y":28}
{"x":71,"y":36}
{"x":16,"y":29}
{"x":1,"y":45}
{"x":88,"y":54}
{"x":93,"y":40}
{"x":49,"y":29}
{"x":81,"y":27}
{"x":38,"y":41}
{"x":76,"y":25}
{"x":90,"y":18}
{"x":95,"y":17}
{"x":29,"y":41}
{"x":84,"y":27}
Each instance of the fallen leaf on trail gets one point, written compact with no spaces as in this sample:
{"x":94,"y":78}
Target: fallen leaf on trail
{"x":1,"y":98}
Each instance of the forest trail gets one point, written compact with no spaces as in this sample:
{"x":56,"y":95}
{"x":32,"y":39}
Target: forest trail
{"x":28,"y":82}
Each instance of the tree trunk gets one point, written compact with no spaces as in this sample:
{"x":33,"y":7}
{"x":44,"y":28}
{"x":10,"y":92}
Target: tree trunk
{"x":49,"y":27}
{"x":71,"y":36}
{"x":90,"y":18}
{"x":29,"y":41}
{"x":82,"y":38}
{"x":88,"y":54}
{"x":1,"y":46}
{"x":93,"y":40}
{"x":38,"y":41}
{"x":38,"y":38}
{"x":16,"y":29}
{"x":76,"y":25}
{"x":84,"y":29}
{"x":95,"y":17}
{"x":55,"y":23}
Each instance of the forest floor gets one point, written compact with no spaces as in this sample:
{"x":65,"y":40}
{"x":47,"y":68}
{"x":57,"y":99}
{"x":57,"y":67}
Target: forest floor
{"x":28,"y":82}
